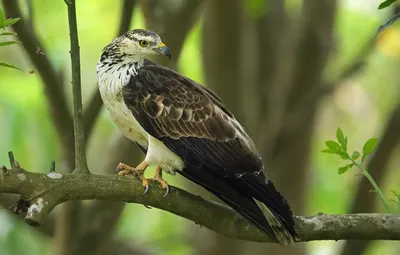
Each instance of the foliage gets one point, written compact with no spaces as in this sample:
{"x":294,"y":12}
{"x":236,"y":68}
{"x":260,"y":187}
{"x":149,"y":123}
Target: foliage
{"x":386,"y":4}
{"x":339,"y":147}
{"x":4,"y":23}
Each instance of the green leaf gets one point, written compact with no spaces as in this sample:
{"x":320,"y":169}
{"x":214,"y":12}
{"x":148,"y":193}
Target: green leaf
{"x":386,"y":4}
{"x":333,"y":146}
{"x":345,"y":144}
{"x":340,"y":136}
{"x":364,"y":157}
{"x":7,"y":43}
{"x":330,"y":151}
{"x":370,"y":146}
{"x":355,"y":155}
{"x":8,"y":33}
{"x":344,"y":155}
{"x":10,"y":22}
{"x":10,"y":66}
{"x":343,"y":169}
{"x":1,"y":18}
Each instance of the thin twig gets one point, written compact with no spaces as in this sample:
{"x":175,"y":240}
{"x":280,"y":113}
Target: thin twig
{"x":80,"y":155}
{"x":373,"y":183}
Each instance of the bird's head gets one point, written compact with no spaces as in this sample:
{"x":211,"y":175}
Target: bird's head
{"x":135,"y":45}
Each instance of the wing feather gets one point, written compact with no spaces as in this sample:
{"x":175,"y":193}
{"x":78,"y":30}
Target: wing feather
{"x":194,"y":123}
{"x":172,"y":106}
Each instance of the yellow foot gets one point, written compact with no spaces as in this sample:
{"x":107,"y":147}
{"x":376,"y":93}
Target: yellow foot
{"x":158,"y":177}
{"x":124,"y":169}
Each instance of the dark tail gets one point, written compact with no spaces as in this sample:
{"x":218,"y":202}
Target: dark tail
{"x":253,"y":197}
{"x":274,"y":206}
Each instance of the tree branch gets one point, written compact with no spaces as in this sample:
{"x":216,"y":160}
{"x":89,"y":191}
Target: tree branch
{"x":45,"y":191}
{"x":98,"y":219}
{"x":80,"y":153}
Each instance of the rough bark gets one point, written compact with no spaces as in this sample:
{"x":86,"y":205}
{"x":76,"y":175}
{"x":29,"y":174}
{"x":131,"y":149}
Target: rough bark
{"x":42,"y":192}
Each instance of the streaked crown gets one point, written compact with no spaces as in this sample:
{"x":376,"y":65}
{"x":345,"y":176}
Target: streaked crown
{"x":135,"y":45}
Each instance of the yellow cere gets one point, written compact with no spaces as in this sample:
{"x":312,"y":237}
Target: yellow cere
{"x":161,"y":45}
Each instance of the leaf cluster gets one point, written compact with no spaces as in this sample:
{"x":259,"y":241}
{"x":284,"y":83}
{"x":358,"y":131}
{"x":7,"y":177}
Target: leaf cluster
{"x":339,"y":147}
{"x":4,"y":23}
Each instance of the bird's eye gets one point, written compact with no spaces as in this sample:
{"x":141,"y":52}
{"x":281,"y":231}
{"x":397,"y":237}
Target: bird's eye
{"x":143,"y":43}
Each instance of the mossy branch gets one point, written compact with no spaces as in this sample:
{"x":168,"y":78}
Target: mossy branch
{"x":41,"y":192}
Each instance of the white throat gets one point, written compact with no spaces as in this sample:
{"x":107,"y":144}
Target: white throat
{"x":114,"y":75}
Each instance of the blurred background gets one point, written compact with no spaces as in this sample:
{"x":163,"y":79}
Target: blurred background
{"x":291,"y":71}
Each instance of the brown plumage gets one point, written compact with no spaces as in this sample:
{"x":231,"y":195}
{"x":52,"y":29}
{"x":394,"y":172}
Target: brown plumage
{"x":184,"y":127}
{"x":172,"y":107}
{"x":193,"y":123}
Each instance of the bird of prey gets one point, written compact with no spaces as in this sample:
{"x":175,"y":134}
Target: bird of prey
{"x":185,"y":128}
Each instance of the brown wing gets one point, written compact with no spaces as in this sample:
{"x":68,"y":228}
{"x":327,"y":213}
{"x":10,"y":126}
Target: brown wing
{"x":193,"y":123}
{"x":190,"y":121}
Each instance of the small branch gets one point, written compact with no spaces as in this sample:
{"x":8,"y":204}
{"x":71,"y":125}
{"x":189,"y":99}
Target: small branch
{"x":80,"y":155}
{"x":373,"y":183}
{"x":45,"y":191}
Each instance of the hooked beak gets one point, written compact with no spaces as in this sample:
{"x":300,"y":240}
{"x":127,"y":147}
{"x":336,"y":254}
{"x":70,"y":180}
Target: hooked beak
{"x":164,"y":50}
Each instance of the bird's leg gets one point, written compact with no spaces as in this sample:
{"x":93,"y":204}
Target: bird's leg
{"x":124,"y":169}
{"x":158,"y":177}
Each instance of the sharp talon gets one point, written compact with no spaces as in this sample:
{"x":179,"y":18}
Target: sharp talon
{"x":166,"y":190}
{"x":146,"y":189}
{"x":119,"y":168}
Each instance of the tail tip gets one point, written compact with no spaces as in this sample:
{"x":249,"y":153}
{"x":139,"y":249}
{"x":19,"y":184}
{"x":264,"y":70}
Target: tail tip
{"x":285,"y":234}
